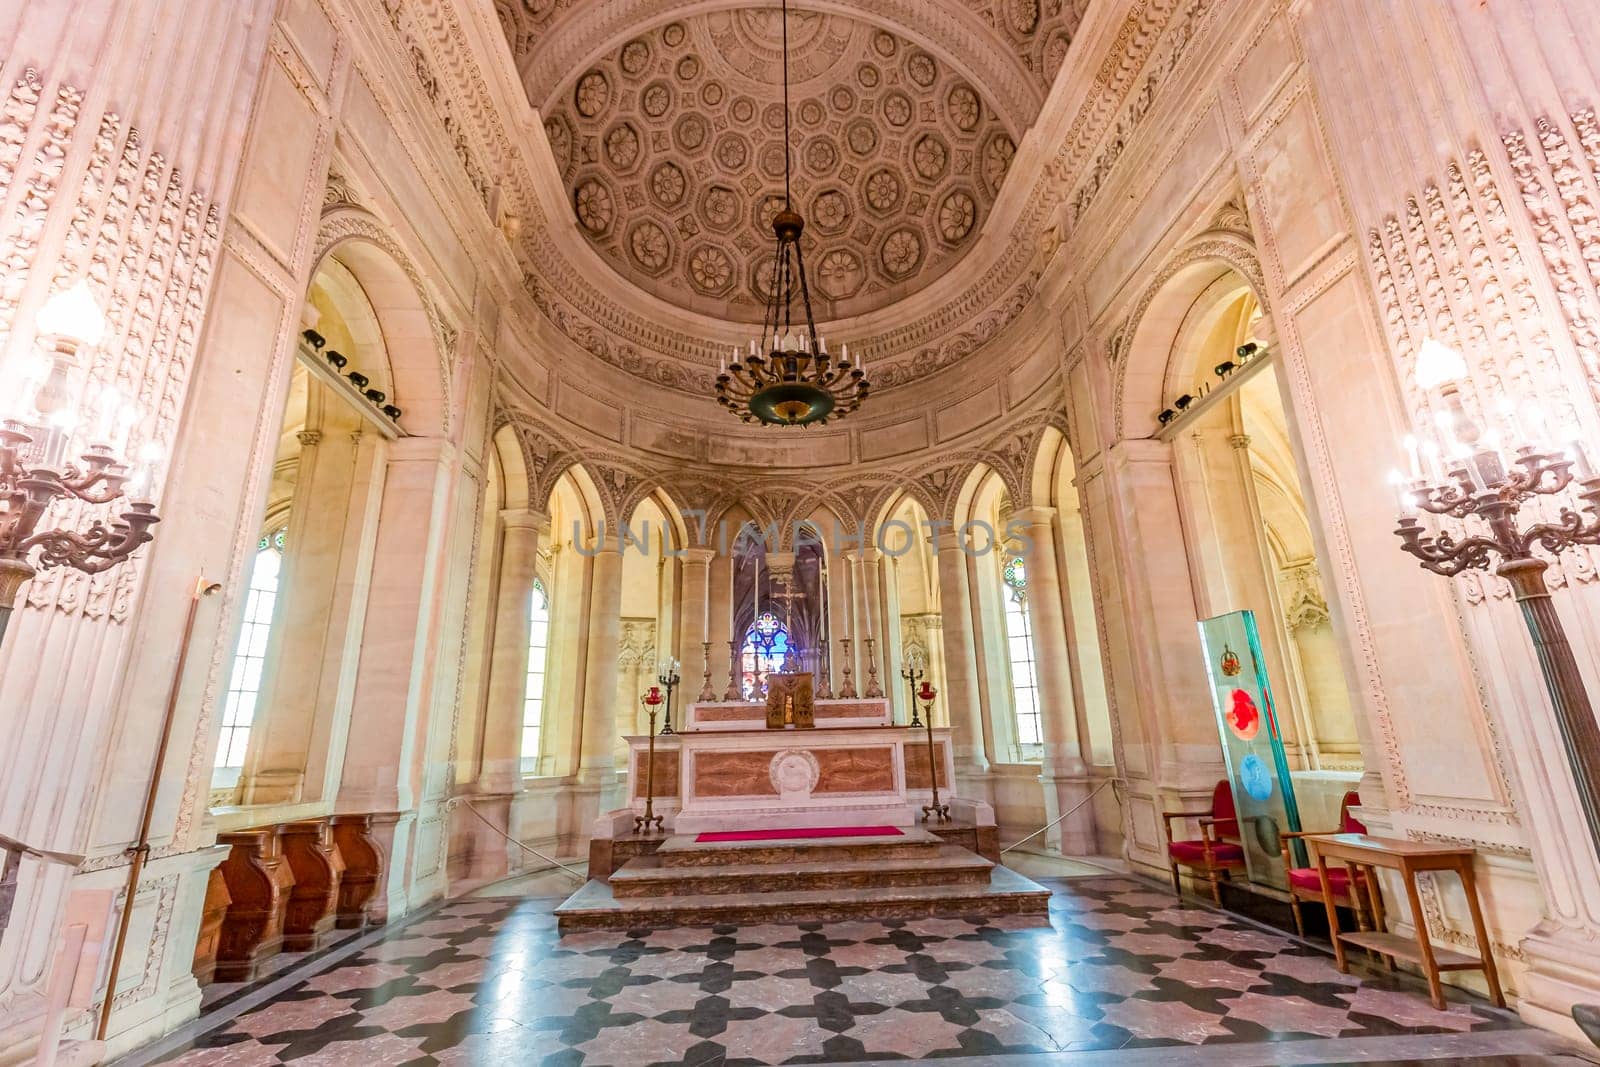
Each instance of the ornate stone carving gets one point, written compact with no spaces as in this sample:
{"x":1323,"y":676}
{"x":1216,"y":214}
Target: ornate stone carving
{"x":839,"y":69}
{"x":1300,"y":588}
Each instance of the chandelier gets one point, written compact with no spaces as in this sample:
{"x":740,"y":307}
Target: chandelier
{"x":37,"y":435}
{"x":787,"y":378}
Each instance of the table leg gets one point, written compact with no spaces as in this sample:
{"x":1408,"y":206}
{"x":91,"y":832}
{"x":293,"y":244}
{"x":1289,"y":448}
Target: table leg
{"x":1375,"y":898}
{"x":1469,"y":882}
{"x":1333,"y":914}
{"x":1430,"y":966}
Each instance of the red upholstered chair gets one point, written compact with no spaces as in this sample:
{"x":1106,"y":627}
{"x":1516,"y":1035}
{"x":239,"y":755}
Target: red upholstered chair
{"x":1217,"y":850}
{"x":1303,"y":881}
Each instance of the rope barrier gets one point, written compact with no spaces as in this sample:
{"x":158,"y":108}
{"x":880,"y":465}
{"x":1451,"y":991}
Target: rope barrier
{"x":1092,"y":794}
{"x":554,"y":863}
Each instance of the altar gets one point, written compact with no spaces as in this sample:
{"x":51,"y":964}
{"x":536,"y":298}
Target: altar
{"x":767,"y":811}
{"x":728,"y":770}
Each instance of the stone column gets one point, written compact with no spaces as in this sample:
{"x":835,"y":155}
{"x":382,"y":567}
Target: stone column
{"x":695,"y":618}
{"x":597,"y":767}
{"x":383,"y":771}
{"x":522,"y":531}
{"x":1063,"y":773}
{"x":960,"y":696}
{"x":720,"y":597}
{"x":1171,"y":753}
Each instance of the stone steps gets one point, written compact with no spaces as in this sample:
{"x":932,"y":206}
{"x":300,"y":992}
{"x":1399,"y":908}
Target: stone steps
{"x":648,"y":876}
{"x":911,"y":843}
{"x":597,"y":907}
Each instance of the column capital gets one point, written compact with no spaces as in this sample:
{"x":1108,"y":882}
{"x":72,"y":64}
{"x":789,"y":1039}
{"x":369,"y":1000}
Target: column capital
{"x":1038,"y":515}
{"x":525,"y":519}
{"x":700,"y":557}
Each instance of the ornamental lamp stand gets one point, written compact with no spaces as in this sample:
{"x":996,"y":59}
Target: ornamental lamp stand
{"x":735,"y":692}
{"x":642,"y":823}
{"x":35,"y":436}
{"x":670,"y":678}
{"x":1485,"y":495}
{"x":935,"y":809}
{"x":708,"y":695}
{"x":847,"y":685}
{"x":873,"y":689}
{"x":912,"y":673}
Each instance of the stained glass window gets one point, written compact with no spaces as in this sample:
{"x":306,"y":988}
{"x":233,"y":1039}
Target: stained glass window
{"x":250,"y":654}
{"x":533,"y":693}
{"x":1019,"y":652}
{"x":766,"y":647}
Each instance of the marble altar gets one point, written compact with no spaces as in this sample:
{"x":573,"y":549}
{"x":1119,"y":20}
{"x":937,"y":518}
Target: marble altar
{"x":727,"y":770}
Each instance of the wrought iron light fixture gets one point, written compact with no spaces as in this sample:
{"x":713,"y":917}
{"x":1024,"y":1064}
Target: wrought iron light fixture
{"x":788,"y":378}
{"x":1509,"y":513}
{"x":35,"y":473}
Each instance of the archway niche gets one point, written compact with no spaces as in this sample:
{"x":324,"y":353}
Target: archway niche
{"x":283,"y":730}
{"x":1242,"y":510}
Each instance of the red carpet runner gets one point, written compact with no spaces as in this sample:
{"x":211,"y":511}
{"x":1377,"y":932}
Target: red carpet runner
{"x":797,"y":835}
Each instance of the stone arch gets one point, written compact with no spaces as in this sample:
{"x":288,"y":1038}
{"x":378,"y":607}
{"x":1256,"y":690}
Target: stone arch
{"x":1142,"y":345}
{"x":407,"y":315}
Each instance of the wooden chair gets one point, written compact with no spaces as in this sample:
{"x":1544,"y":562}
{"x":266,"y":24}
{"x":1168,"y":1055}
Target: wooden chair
{"x":1303,"y":881}
{"x":1217,"y":851}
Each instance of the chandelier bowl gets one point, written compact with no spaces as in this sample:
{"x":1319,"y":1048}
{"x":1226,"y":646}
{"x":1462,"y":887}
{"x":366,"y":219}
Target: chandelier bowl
{"x":791,"y":404}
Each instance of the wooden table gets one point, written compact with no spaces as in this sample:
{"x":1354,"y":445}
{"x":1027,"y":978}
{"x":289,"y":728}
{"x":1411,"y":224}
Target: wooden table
{"x":1407,"y":858}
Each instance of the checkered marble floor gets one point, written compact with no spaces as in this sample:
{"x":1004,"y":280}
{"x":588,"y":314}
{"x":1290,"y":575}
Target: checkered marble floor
{"x":1123,"y":966}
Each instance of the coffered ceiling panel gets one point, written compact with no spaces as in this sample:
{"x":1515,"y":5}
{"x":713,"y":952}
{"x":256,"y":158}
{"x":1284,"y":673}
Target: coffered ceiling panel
{"x":672,"y":149}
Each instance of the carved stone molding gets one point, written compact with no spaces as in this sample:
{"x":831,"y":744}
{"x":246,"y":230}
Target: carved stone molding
{"x":354,"y":224}
{"x":567,"y":293}
{"x":1225,"y":248}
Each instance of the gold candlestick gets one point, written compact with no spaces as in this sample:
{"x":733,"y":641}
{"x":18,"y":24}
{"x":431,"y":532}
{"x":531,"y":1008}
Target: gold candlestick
{"x":847,"y":687}
{"x":873,"y":688}
{"x":735,"y":691}
{"x":707,"y":694}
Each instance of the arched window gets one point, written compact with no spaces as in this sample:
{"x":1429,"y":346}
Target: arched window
{"x":766,"y":646}
{"x":533,"y":694}
{"x":1019,"y":652}
{"x":250,"y":654}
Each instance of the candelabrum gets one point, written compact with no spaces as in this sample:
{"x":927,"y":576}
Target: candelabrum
{"x":847,"y":685}
{"x":735,"y":691}
{"x":642,"y":823}
{"x":874,"y":689}
{"x":1484,"y":492}
{"x":669,"y":678}
{"x":935,"y":809}
{"x":35,"y":474}
{"x":822,"y":669}
{"x":707,"y":694}
{"x":912,"y":673}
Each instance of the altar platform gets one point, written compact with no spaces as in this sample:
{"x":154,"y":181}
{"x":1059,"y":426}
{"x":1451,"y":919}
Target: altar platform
{"x":794,"y":823}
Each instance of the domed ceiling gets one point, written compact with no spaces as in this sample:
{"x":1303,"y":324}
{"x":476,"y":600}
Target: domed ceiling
{"x":672,"y":148}
{"x":665,"y":121}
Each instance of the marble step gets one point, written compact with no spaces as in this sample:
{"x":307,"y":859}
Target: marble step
{"x":911,"y":843}
{"x":596,"y":907}
{"x":646,"y":876}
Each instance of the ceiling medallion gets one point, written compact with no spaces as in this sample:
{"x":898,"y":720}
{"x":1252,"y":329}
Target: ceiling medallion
{"x":795,"y":382}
